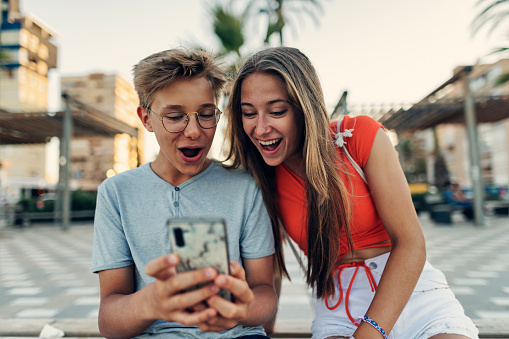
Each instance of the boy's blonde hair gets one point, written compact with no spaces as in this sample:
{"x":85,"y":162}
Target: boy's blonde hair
{"x":157,"y":71}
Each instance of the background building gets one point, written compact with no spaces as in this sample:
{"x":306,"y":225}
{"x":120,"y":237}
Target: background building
{"x":493,"y":138}
{"x":95,"y":158}
{"x":440,"y":122}
{"x":30,"y":52}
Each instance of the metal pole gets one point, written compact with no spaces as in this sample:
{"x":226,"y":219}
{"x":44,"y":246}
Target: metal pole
{"x":60,"y":184}
{"x":475,"y":157}
{"x":66,"y":196}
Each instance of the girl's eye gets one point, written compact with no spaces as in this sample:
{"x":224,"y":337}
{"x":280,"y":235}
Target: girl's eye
{"x":278,"y":114}
{"x":248,"y":114}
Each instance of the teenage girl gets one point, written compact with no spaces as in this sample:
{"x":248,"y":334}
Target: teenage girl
{"x":357,"y":226}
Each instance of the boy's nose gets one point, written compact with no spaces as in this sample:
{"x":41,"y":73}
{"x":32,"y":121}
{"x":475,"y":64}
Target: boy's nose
{"x":193,"y":129}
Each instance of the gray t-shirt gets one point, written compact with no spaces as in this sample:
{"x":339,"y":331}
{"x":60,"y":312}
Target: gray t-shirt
{"x":130,"y":225}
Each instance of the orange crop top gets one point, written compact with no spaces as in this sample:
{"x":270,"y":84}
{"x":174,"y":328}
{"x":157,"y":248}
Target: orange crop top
{"x":366,"y":227}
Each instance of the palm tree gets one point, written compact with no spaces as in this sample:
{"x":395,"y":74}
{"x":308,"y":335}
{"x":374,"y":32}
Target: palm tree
{"x":495,"y":12}
{"x":229,"y":28}
{"x":280,"y":12}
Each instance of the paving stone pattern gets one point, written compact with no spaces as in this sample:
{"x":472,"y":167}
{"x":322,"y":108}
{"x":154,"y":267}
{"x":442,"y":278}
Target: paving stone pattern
{"x":45,"y":272}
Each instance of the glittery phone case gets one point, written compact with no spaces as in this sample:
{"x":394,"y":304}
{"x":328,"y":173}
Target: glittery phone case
{"x":200,"y":242}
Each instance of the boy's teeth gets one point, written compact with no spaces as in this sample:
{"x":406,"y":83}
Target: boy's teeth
{"x":270,"y":142}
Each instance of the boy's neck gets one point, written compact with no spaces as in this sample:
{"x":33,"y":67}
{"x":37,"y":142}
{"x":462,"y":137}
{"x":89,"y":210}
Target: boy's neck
{"x":173,"y":176}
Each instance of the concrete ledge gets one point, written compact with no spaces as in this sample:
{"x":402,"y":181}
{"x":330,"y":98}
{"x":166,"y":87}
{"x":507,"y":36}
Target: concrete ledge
{"x":87,"y":328}
{"x":32,"y":327}
{"x":492,"y":328}
{"x":488,"y":329}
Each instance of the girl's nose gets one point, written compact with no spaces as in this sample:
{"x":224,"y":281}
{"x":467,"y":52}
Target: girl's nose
{"x":262,"y":125}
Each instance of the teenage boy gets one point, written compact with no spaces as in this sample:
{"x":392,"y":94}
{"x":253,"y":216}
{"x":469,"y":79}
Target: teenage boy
{"x":141,"y":293}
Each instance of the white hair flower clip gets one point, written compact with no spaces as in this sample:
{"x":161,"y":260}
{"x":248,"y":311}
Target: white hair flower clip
{"x":340,"y":141}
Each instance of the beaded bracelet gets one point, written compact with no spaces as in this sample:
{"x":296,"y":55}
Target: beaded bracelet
{"x":372,"y":323}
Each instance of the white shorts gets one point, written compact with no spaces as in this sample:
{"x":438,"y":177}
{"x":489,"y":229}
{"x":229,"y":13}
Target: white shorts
{"x":431,"y":310}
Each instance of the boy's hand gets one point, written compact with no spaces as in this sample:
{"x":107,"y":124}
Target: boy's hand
{"x":169,"y":303}
{"x":229,"y":313}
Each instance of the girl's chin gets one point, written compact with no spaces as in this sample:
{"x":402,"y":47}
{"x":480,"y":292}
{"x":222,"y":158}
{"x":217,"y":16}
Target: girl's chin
{"x":272,"y":161}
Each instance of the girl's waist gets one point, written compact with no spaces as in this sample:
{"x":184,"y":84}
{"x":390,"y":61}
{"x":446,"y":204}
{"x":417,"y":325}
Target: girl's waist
{"x":366,"y":253}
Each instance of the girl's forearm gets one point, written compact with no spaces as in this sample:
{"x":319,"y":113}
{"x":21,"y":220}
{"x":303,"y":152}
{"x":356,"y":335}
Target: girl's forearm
{"x":401,"y":273}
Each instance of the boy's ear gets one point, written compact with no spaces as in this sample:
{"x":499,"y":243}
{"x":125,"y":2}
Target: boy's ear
{"x":143,"y":115}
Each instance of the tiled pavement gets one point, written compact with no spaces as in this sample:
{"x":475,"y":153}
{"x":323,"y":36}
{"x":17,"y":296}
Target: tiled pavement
{"x":45,"y":272}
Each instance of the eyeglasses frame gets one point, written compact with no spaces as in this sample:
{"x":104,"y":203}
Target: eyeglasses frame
{"x":187,"y":119}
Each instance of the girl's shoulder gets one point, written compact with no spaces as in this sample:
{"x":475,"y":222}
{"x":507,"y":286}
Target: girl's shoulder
{"x":360,"y":122}
{"x":357,"y":134}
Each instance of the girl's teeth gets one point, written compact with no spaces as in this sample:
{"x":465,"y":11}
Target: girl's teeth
{"x":267,"y":143}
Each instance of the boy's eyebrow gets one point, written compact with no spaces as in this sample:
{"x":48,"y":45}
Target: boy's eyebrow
{"x":208,"y":104}
{"x":174,"y":106}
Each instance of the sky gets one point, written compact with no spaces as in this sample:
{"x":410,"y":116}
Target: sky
{"x":381,"y":52}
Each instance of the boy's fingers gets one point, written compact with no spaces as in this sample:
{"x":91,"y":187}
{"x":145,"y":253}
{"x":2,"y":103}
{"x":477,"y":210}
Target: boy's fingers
{"x":237,"y":271}
{"x":159,"y":265}
{"x":166,"y":274}
{"x":199,"y":307}
{"x":238,"y":287}
{"x":224,"y":307}
{"x":195,"y":318}
{"x":184,"y":280}
{"x":192,"y":299}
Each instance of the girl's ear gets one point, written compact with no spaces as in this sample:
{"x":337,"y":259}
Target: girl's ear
{"x":143,"y":115}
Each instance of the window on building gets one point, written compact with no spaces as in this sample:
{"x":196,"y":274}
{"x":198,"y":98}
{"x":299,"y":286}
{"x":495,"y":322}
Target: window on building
{"x":43,"y":52}
{"x":23,"y":56}
{"x":33,"y":43}
{"x":42,"y":68}
{"x":78,"y":173}
{"x":22,"y":74}
{"x":23,"y":38}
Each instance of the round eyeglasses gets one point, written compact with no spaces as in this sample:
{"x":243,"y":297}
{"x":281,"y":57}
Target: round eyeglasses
{"x":175,"y":122}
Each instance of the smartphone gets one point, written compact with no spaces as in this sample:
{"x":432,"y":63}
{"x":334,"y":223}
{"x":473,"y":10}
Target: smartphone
{"x":200,"y":243}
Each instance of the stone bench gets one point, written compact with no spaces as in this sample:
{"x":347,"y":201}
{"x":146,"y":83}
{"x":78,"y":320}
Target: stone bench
{"x":26,"y":218}
{"x":87,"y":328}
{"x":499,"y":208}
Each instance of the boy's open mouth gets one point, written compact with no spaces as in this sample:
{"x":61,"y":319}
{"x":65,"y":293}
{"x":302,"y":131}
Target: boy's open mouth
{"x":190,"y":152}
{"x":270,"y":145}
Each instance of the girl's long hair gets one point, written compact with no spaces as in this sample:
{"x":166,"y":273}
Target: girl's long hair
{"x":328,"y":207}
